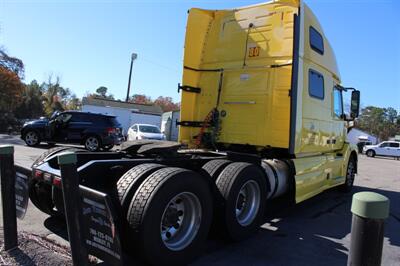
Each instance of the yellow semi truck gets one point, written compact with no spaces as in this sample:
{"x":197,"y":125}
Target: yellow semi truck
{"x":261,"y":118}
{"x":267,"y":84}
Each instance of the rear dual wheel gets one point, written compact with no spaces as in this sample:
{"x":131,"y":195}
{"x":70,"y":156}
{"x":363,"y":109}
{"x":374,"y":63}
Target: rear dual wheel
{"x":242,"y":188}
{"x":169,"y":214}
{"x":130,"y":182}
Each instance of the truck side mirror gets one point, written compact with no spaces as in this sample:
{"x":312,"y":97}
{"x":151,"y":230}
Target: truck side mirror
{"x":355,"y":104}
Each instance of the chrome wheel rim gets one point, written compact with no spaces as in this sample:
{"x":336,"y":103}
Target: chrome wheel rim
{"x":350,"y":174}
{"x":92,"y":143}
{"x":31,"y":138}
{"x":248,"y":203}
{"x":180,"y":221}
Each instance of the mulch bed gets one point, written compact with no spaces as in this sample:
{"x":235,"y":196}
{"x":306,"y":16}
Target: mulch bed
{"x":34,"y":250}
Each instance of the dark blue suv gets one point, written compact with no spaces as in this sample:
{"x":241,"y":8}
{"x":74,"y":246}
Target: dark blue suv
{"x":95,"y":131}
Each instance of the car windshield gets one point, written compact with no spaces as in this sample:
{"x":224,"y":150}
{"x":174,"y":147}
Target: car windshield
{"x":149,"y":129}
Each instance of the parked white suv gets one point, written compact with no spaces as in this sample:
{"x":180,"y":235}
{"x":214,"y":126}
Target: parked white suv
{"x":386,"y":148}
{"x":144,"y":131}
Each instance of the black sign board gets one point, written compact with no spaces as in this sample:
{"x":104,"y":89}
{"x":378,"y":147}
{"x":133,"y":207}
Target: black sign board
{"x":21,"y":194}
{"x":100,"y":228}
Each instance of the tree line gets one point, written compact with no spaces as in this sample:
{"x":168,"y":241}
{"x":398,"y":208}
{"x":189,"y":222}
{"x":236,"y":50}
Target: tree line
{"x":380,"y":122}
{"x":19,"y":100}
{"x":26,"y":101}
{"x":166,"y":103}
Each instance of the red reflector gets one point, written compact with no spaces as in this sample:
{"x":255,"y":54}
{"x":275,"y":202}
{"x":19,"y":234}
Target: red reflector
{"x":57,"y":181}
{"x":38,"y":174}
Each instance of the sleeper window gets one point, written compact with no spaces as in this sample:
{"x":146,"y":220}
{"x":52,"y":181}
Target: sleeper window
{"x":315,"y":84}
{"x":316,"y":41}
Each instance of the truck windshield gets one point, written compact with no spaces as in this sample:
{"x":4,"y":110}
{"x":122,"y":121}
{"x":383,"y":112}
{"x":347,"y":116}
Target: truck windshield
{"x":149,"y":129}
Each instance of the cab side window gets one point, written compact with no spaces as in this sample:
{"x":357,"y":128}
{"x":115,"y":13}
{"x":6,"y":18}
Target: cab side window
{"x":316,"y":41}
{"x":337,"y":102}
{"x":316,"y":84}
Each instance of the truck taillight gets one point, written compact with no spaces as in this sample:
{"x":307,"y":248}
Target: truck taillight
{"x":38,"y":174}
{"x":57,"y":181}
{"x":111,"y":130}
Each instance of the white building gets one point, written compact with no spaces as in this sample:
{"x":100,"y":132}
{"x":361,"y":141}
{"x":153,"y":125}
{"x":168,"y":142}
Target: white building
{"x":169,"y":126}
{"x":355,"y":135}
{"x":127,"y":114}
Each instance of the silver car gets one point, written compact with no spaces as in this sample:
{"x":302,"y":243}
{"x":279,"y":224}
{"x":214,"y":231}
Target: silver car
{"x":386,"y":148}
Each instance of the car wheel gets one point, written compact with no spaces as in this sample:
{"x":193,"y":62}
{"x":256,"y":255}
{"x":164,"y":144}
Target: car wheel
{"x":370,"y":153}
{"x":92,"y":143}
{"x":32,"y":138}
{"x":244,"y":189}
{"x":171,"y":213}
{"x":350,"y":175}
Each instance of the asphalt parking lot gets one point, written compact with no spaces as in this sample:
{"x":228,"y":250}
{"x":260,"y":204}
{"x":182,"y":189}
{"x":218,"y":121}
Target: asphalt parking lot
{"x":314,"y":232}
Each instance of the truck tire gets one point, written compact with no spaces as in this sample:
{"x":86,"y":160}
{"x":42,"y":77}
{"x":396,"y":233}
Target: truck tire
{"x":215,"y":167}
{"x":370,"y":153}
{"x":170,"y":215}
{"x":243,"y":187}
{"x":40,"y":196}
{"x":131,"y":180}
{"x":350,"y":175}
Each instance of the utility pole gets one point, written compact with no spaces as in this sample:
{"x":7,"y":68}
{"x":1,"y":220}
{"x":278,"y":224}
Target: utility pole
{"x":133,"y":58}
